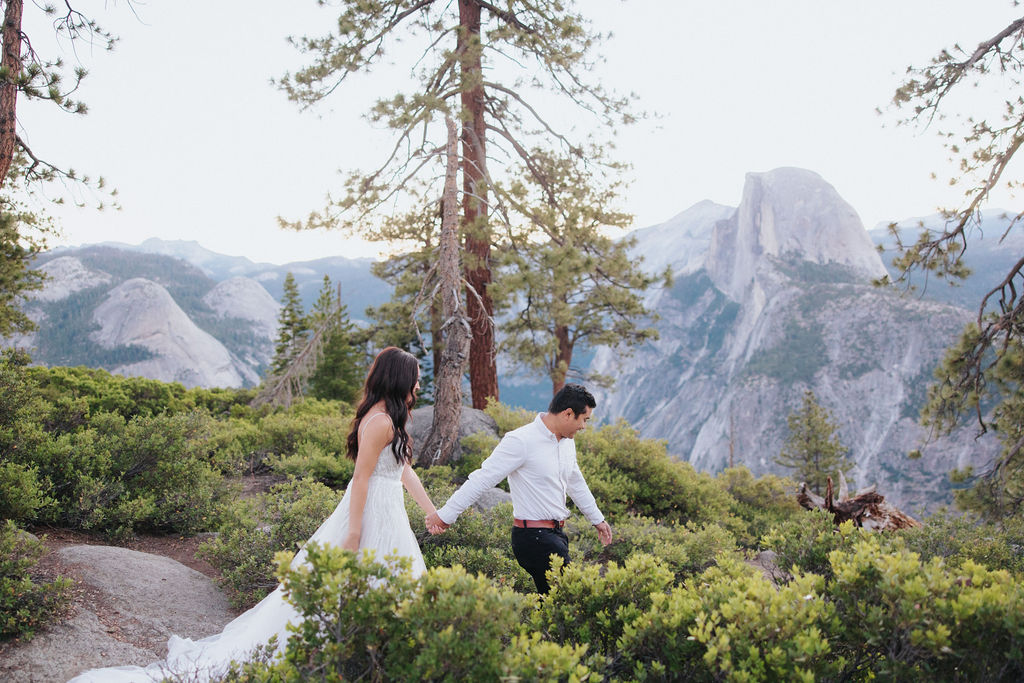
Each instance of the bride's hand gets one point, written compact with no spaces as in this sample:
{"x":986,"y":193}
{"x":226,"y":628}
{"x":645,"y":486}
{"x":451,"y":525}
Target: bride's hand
{"x":351,"y":542}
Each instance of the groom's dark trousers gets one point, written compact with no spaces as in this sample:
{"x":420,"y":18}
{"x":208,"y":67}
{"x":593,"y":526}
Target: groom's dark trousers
{"x":533,"y":548}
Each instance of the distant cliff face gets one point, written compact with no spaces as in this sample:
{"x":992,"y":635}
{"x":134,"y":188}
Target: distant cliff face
{"x":95,"y":310}
{"x":173,"y":310}
{"x":141,"y":313}
{"x":783,"y":303}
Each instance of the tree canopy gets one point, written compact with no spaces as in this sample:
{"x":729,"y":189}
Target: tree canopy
{"x":483,"y":65}
{"x":976,"y":373}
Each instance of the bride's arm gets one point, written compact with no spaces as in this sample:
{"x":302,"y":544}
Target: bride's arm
{"x":375,"y":437}
{"x":415,"y":488}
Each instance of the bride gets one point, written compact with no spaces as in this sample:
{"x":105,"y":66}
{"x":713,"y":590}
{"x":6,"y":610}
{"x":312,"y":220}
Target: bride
{"x":371,"y":515}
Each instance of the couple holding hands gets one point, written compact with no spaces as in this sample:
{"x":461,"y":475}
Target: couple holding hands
{"x":538,"y":459}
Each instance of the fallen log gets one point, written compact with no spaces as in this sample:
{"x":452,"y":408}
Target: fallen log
{"x":867,"y":508}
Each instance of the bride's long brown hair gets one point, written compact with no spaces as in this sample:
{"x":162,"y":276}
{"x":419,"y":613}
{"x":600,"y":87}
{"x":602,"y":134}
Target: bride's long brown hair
{"x":392,"y":378}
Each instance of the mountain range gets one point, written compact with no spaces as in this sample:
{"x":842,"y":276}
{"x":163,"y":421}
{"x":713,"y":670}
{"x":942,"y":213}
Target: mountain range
{"x":770,"y":298}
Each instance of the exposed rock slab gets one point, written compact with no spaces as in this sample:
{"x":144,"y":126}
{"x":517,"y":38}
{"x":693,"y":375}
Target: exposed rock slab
{"x":139,"y":601}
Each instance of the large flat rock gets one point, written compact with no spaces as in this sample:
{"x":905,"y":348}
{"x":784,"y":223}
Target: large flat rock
{"x":134,"y":602}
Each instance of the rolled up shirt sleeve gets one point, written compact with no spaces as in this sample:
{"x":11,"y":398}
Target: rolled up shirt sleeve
{"x":577,"y":488}
{"x":506,"y":457}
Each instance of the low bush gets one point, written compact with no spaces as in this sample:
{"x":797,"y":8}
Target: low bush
{"x":478,"y":541}
{"x":591,"y":604}
{"x":805,"y":542}
{"x":685,"y":549}
{"x":758,"y":503}
{"x":22,"y":495}
{"x":310,"y":460}
{"x":253,"y":531}
{"x":364,"y":620}
{"x":628,"y":474}
{"x":26,"y":606}
{"x":901,"y":618}
{"x":958,"y":538}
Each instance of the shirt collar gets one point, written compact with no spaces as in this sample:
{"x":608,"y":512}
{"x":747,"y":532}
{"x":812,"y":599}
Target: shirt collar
{"x":543,"y":428}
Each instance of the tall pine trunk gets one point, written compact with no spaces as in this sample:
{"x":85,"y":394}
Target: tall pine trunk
{"x":443,"y":441}
{"x":11,"y":67}
{"x":563,"y":360}
{"x":483,"y":370}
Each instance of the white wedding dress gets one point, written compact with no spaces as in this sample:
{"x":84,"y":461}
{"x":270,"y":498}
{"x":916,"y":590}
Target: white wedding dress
{"x":386,"y":530}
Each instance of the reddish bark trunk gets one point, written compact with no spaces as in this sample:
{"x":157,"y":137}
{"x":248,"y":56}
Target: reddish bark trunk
{"x":11,"y":65}
{"x":564,"y":359}
{"x":483,"y":370}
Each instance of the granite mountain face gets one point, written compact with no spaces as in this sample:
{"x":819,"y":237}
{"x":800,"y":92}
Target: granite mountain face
{"x":769,"y":298}
{"x":147,"y":311}
{"x":783,"y":302}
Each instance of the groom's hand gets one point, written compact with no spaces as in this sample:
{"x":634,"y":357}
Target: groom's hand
{"x":434,"y":524}
{"x":604,"y":532}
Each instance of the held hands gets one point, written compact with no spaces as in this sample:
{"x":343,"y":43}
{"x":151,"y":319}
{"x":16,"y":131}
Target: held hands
{"x":604,"y":532}
{"x":434,"y":524}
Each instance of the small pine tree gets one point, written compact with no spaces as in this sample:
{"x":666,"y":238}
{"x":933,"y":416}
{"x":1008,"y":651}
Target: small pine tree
{"x":292,"y":327}
{"x":812,"y":449}
{"x":339,"y":372}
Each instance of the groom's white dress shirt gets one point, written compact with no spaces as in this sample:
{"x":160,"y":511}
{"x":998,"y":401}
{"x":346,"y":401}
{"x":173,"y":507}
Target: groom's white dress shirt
{"x":541,"y":470}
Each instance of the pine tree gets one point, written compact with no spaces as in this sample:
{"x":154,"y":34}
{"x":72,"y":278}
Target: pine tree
{"x":536,"y":48}
{"x":292,"y":327}
{"x":812,"y":449}
{"x":339,"y":371}
{"x":577,"y":286}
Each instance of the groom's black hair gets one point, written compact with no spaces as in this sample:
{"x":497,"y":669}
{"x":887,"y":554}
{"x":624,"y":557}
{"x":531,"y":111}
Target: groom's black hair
{"x":573,"y":396}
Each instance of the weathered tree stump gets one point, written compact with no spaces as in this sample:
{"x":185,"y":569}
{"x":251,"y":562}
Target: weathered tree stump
{"x":866,"y":509}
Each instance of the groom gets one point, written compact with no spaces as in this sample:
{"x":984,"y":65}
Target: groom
{"x":539,"y":460}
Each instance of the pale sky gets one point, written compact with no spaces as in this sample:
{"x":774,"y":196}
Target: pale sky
{"x":185,"y":123}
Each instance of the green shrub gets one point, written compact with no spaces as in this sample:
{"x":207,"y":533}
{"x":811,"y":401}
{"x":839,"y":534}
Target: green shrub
{"x":804,"y":543}
{"x":684,"y":548}
{"x":507,"y":417}
{"x":454,"y":628}
{"x":658,"y":645}
{"x":310,"y":460}
{"x":350,"y":613}
{"x":253,"y":531}
{"x":22,"y":495}
{"x":591,"y":604}
{"x":758,"y":504}
{"x":26,"y":606}
{"x":756,"y":631}
{"x":629,"y":474}
{"x":364,"y":620}
{"x":955,"y":539}
{"x":901,"y":618}
{"x":479,"y":541}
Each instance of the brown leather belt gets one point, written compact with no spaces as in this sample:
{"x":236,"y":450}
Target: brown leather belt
{"x":538,"y":523}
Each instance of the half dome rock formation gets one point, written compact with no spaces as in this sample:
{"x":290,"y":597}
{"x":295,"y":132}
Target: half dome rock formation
{"x":139,"y":312}
{"x":243,"y":297}
{"x":788,"y":213}
{"x":783,"y":304}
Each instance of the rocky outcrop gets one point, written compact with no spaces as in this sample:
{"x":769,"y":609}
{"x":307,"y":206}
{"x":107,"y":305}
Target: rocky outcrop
{"x":788,"y":212}
{"x":65,"y":276}
{"x":783,"y":304}
{"x":139,"y":312}
{"x":133,"y":602}
{"x":245,"y":299}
